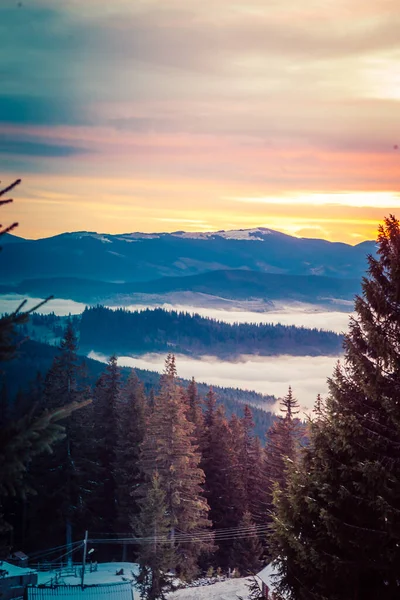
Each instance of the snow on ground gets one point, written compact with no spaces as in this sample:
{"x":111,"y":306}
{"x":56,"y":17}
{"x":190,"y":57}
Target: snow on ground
{"x":231,"y":589}
{"x":106,"y":573}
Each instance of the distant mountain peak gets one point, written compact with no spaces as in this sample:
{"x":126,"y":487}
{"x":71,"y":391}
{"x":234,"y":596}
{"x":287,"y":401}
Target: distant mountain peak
{"x":253,"y":234}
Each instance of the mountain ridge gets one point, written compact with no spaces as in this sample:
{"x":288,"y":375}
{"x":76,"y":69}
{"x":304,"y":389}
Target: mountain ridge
{"x":242,"y":234}
{"x":144,"y":257}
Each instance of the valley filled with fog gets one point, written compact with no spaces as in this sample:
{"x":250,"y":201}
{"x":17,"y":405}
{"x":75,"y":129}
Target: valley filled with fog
{"x":308,"y":375}
{"x":290,"y":313}
{"x":268,"y":375}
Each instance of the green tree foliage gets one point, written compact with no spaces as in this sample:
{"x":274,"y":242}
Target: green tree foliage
{"x":105,"y":403}
{"x":63,"y":478}
{"x":219,"y":462}
{"x":157,"y":330}
{"x":32,"y":434}
{"x":337,"y":529}
{"x":156,"y":556}
{"x":195,"y":412}
{"x":247,"y":549}
{"x":169,"y":447}
{"x":131,"y":410}
{"x":283,"y":440}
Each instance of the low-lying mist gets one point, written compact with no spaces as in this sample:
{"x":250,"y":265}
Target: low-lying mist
{"x":269,"y":375}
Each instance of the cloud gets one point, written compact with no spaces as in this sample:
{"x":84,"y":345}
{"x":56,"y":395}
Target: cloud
{"x":27,"y":147}
{"x":268,"y":375}
{"x":191,"y":103}
{"x":41,"y":55}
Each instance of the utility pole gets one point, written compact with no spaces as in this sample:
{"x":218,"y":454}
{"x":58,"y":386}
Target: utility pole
{"x":84,"y":557}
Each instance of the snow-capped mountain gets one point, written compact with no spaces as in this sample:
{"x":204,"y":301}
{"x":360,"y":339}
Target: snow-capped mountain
{"x":147,"y":256}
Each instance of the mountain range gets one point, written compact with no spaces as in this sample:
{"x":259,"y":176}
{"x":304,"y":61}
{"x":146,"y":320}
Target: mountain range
{"x":141,"y":257}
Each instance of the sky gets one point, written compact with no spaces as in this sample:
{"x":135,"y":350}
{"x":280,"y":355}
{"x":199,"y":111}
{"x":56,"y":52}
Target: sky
{"x":164,"y":115}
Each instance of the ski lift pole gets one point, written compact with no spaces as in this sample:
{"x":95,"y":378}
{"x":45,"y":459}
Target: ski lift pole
{"x":84,"y":558}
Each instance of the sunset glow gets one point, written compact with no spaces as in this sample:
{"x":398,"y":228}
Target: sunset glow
{"x":164,"y":115}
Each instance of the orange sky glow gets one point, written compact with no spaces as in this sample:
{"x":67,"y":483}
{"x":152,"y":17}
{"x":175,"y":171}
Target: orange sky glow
{"x":165,"y":115}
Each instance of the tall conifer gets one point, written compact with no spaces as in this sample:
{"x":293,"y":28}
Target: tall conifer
{"x":337,"y":530}
{"x":156,"y":555}
{"x":131,"y":414}
{"x":169,"y":447}
{"x":246,"y":549}
{"x":105,"y":406}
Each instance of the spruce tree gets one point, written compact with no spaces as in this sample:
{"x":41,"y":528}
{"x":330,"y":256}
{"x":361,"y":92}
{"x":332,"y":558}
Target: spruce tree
{"x":246,"y":548}
{"x":62,"y":479}
{"x":337,"y":529}
{"x":131,"y":415}
{"x":156,"y":555}
{"x":169,"y":447}
{"x":194,"y":411}
{"x":282,"y":443}
{"x":105,"y":404}
{"x":252,"y":469}
{"x":33,"y":433}
{"x":239,"y":459}
{"x":210,"y":408}
{"x":220,"y":466}
{"x":258,"y":496}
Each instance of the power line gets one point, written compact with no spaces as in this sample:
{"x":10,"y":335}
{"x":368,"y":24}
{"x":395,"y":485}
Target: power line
{"x":186,"y":538}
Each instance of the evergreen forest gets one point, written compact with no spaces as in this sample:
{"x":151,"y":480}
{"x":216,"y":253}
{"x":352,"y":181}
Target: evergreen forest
{"x":165,"y":474}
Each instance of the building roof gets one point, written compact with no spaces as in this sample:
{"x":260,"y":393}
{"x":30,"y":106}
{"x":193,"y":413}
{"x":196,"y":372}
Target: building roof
{"x":20,"y":555}
{"x":114,"y":591}
{"x":269,"y":575}
{"x":13,"y":570}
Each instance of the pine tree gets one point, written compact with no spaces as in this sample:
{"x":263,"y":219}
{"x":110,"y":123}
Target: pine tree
{"x":32,"y":434}
{"x":219,"y":463}
{"x":252,"y":466}
{"x":169,"y":448}
{"x":131,"y":415}
{"x":337,"y":529}
{"x":210,"y":406}
{"x":156,"y":556}
{"x":246,"y":548}
{"x":239,"y":458}
{"x":105,"y":403}
{"x":282,"y":443}
{"x":194,"y":412}
{"x":258,"y":498}
{"x":62,"y":479}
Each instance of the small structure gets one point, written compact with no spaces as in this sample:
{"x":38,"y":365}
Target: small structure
{"x":13,"y":580}
{"x":268,"y":580}
{"x":105,"y":591}
{"x":20,"y":559}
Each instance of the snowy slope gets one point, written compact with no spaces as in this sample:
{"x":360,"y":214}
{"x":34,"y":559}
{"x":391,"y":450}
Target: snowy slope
{"x":231,"y":589}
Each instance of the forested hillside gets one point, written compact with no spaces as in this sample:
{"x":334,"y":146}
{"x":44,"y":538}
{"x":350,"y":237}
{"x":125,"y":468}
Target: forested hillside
{"x":124,"y":332}
{"x":34,"y":359}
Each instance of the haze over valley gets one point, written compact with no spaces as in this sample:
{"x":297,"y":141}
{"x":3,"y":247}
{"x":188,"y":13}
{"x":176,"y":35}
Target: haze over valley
{"x":305,"y":283}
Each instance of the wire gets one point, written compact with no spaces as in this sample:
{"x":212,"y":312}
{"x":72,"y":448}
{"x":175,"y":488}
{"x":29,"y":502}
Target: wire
{"x":42,"y":553}
{"x":215,"y":532}
{"x":221,"y":535}
{"x":77,"y":546}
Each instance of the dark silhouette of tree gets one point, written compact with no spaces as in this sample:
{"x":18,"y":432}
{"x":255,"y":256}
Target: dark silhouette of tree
{"x":156,"y":555}
{"x":169,"y":448}
{"x":33,"y":434}
{"x":131,"y":410}
{"x":337,"y":527}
